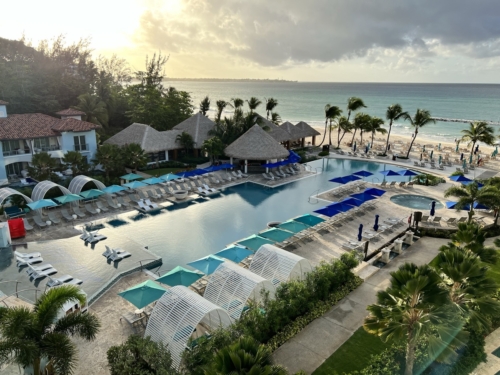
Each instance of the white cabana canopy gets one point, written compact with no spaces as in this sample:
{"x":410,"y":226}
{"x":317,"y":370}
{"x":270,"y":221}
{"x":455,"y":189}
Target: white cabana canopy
{"x":77,"y":183}
{"x":278,"y":265}
{"x":231,"y":286}
{"x":177,"y":314}
{"x":43,"y":187}
{"x":7,"y":192}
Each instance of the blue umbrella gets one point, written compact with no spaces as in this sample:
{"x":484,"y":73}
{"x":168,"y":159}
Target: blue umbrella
{"x":480,"y":185}
{"x":433,"y":208}
{"x":134,"y":184}
{"x":354,"y":147}
{"x":68,"y":198}
{"x":360,"y":232}
{"x":363,"y":197}
{"x":212,"y":168}
{"x":460,"y":178}
{"x":363,"y":173}
{"x":351,"y":201}
{"x":366,"y":149}
{"x":328,"y":211}
{"x":345,"y":179}
{"x":342,"y":207}
{"x":143,"y":294}
{"x":255,"y":242}
{"x":207,"y":265}
{"x":309,"y":219}
{"x":169,"y":177}
{"x":179,"y":276}
{"x":461,"y":156}
{"x":42,"y":203}
{"x":113,"y":189}
{"x":407,"y":172}
{"x":152,"y":181}
{"x":234,"y":253}
{"x":375,"y":227}
{"x":390,"y":172}
{"x":131,"y":177}
{"x":452,"y":205}
{"x":92,"y":193}
{"x":226,"y":166}
{"x":374,"y":191}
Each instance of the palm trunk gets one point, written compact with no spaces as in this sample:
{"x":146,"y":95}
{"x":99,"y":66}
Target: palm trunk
{"x":472,"y":149}
{"x":353,"y":136}
{"x":388,"y":136}
{"x":495,"y":218}
{"x":324,"y":135}
{"x":361,"y":141}
{"x":410,"y":354}
{"x":373,"y":135}
{"x":411,"y":144}
{"x":330,"y":134}
{"x":343,"y":134}
{"x":471,"y":213}
{"x":338,"y":138}
{"x":36,"y":366}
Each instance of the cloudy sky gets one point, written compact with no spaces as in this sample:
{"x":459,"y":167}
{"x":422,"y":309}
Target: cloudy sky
{"x":305,"y":40}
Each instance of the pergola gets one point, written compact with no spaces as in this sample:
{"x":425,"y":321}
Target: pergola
{"x":43,"y":187}
{"x":177,"y":314}
{"x":278,"y":265}
{"x":231,"y":286}
{"x":77,"y":183}
{"x":7,"y":192}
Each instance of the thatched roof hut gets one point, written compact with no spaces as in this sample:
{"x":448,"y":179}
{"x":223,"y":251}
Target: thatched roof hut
{"x":256,"y":144}
{"x":292,"y":130}
{"x":307,"y":130}
{"x":275,"y":131}
{"x":198,"y":127}
{"x":150,"y":139}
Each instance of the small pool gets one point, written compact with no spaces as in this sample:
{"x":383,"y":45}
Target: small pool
{"x":419,"y":202}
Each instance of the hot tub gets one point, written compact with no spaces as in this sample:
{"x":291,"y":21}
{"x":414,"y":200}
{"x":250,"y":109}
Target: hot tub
{"x":418,"y":202}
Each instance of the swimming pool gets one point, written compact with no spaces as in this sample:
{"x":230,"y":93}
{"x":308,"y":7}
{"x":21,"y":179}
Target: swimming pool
{"x":185,"y":232}
{"x":418,"y":202}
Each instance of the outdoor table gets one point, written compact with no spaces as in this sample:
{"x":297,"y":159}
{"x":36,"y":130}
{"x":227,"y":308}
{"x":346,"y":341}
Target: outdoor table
{"x":139,"y":312}
{"x":131,"y":318}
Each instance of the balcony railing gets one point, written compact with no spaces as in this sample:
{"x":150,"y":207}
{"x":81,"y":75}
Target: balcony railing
{"x":16,"y":152}
{"x":47,"y":148}
{"x":83,"y":147}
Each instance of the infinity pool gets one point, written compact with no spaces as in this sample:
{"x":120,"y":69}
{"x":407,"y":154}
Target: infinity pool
{"x":184,"y":232}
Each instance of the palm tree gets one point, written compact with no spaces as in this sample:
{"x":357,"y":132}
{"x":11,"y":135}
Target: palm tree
{"x":375,"y":126}
{"x":344,"y":126}
{"x":353,"y":104}
{"x":134,"y":156}
{"x":333,"y":113}
{"x":205,"y":105}
{"x":479,"y":131}
{"x":237,"y":103}
{"x":109,"y":157}
{"x":394,"y":112}
{"x":42,"y":166}
{"x":213,"y":147}
{"x":29,"y":335}
{"x":271,"y":103}
{"x":253,"y":103}
{"x":422,"y":117}
{"x":95,"y":109}
{"x":185,"y":140}
{"x":221,"y":104}
{"x":74,"y":160}
{"x":245,"y":356}
{"x":415,"y":305}
{"x":275,"y":118}
{"x":472,"y":194}
{"x":361,"y":122}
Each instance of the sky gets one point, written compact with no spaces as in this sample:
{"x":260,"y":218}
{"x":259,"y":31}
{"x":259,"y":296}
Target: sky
{"x":456,"y":41}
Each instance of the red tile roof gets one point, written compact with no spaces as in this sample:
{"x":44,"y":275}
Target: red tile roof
{"x":70,"y":112}
{"x":3,"y":102}
{"x":37,"y":125}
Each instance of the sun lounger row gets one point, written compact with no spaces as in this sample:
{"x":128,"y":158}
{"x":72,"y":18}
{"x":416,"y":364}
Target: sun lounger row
{"x":91,"y":237}
{"x":147,"y":205}
{"x":115,"y":254}
{"x":280,"y":172}
{"x":396,"y":184}
{"x":437,"y":220}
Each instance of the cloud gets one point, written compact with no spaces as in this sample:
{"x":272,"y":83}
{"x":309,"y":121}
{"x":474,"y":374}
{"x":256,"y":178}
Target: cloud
{"x":289,"y":32}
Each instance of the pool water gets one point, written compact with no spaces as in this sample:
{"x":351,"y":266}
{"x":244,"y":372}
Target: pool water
{"x":185,"y":232}
{"x":418,"y":202}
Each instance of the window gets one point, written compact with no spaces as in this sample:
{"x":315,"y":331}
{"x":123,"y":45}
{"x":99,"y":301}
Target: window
{"x":80,"y":143}
{"x":14,"y":169}
{"x":162,"y":156}
{"x":10,"y":146}
{"x":42,"y":144}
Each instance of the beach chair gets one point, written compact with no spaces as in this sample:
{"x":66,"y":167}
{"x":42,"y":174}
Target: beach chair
{"x":209,"y":189}
{"x":425,"y":219}
{"x":39,"y":222}
{"x":115,"y":256}
{"x":277,"y":177}
{"x":436,"y":220}
{"x":290,"y":171}
{"x":151,"y":204}
{"x":422,"y":164}
{"x":66,"y":215}
{"x":27,"y":225}
{"x":279,"y":173}
{"x":415,"y":163}
{"x":160,"y":193}
{"x":185,"y":186}
{"x":35,"y":275}
{"x":383,"y":184}
{"x":410,"y":184}
{"x":233,"y":173}
{"x":463,"y":219}
{"x":153,"y":195}
{"x":122,"y":202}
{"x":267,"y":177}
{"x":100,"y":205}
{"x":27,"y":255}
{"x":450,"y":221}
{"x":143,"y":206}
{"x":65,"y":279}
{"x":25,"y":261}
{"x":52,"y":217}
{"x":243,"y":175}
{"x":202,"y":191}
{"x":90,"y":209}
{"x":402,"y":184}
{"x":133,"y":198}
{"x":392,"y":184}
{"x":142,"y":195}
{"x":42,"y":267}
{"x":213,"y":180}
{"x":78,"y":212}
{"x":110,"y":202}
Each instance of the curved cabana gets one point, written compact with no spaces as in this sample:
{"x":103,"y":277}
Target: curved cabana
{"x":307,"y":131}
{"x":43,"y":187}
{"x":256,"y":144}
{"x":76,"y":185}
{"x":278,"y":265}
{"x":179,"y":314}
{"x":231,"y":286}
{"x":7,"y":192}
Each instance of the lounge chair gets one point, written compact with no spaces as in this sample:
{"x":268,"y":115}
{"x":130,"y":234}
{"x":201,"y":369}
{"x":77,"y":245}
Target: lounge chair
{"x":26,"y":261}
{"x":41,"y":274}
{"x":267,"y":177}
{"x":109,"y":251}
{"x":66,"y":279}
{"x":78,"y":212}
{"x":52,"y":217}
{"x":141,"y":195}
{"x":115,"y":256}
{"x":450,"y":221}
{"x":122,"y":202}
{"x":39,"y":222}
{"x":27,"y":225}
{"x":233,"y":173}
{"x":209,"y":189}
{"x":143,"y":206}
{"x":226,"y":177}
{"x":133,"y":198}
{"x":110,"y":202}
{"x":435,"y":220}
{"x":278,"y":173}
{"x":149,"y":203}
{"x":90,"y":209}
{"x":213,"y":180}
{"x":402,"y":184}
{"x":101,"y":205}
{"x":425,"y":219}
{"x":27,"y":255}
{"x":202,"y":191}
{"x":238,"y":172}
{"x":410,"y":184}
{"x":415,"y":163}
{"x":66,"y":215}
{"x":463,"y":219}
{"x":383,"y":184}
{"x":392,"y":184}
{"x":153,"y":195}
{"x":42,"y":267}
{"x":276,"y":176}
{"x":160,"y":193}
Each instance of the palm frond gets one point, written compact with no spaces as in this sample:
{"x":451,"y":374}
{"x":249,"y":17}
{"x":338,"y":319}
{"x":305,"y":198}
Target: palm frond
{"x":77,"y":324}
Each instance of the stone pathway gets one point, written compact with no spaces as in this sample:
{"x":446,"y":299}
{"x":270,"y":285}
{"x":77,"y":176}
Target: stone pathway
{"x":492,"y":365}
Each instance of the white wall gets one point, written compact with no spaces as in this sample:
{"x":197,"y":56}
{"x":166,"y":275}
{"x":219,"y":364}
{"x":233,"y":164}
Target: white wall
{"x":3,"y":111}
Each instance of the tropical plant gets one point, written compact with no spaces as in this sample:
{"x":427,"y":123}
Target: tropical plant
{"x":478,"y":131}
{"x":221,"y":104}
{"x":109,"y":157}
{"x":353,"y":104}
{"x":421,"y":118}
{"x":361,"y":123}
{"x":271,"y":103}
{"x":17,"y":200}
{"x":393,"y":113}
{"x":253,"y":103}
{"x":205,"y":105}
{"x":95,"y":109}
{"x":413,"y":306}
{"x":237,"y":103}
{"x":133,"y":156}
{"x":140,"y":356}
{"x":28,"y":336}
{"x":42,"y":166}
{"x":213,"y":147}
{"x":244,"y":357}
{"x":375,"y":126}
{"x":343,"y":126}
{"x":74,"y":160}
{"x":471,"y":194}
{"x":275,"y":118}
{"x":186,"y":141}
{"x":333,"y":113}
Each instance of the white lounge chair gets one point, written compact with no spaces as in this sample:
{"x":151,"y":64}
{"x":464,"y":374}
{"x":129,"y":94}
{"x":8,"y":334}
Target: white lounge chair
{"x":39,"y":222}
{"x":52,"y":217}
{"x":148,"y":202}
{"x":239,"y":173}
{"x":27,"y":255}
{"x":202,"y":191}
{"x":41,"y":274}
{"x":25,"y":261}
{"x":153,"y":195}
{"x":27,"y":224}
{"x":110,"y":202}
{"x":267,"y":177}
{"x":143,"y":206}
{"x":42,"y":267}
{"x":66,"y":215}
{"x":233,"y":173}
{"x":65,"y":279}
{"x":90,"y":209}
{"x":109,"y":251}
{"x":118,"y":256}
{"x":209,"y":189}
{"x":101,"y":206}
{"x":122,"y":202}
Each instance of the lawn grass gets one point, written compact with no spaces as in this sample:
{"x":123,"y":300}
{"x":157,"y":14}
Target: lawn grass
{"x":353,"y":355}
{"x":161,"y":171}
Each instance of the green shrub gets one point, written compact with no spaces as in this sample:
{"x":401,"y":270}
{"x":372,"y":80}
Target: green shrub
{"x":472,"y":356}
{"x":402,"y":157}
{"x":193,"y":160}
{"x":427,"y":179}
{"x":324,"y":153}
{"x":457,"y":173}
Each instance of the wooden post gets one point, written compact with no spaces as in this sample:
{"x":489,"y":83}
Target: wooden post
{"x":314,"y":140}
{"x":303,"y":143}
{"x":246,"y":166}
{"x":195,"y":153}
{"x":267,"y":169}
{"x":175,"y":154}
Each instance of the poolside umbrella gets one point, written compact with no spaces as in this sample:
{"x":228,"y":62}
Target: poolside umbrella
{"x":433,"y":208}
{"x":345,"y":179}
{"x":42,"y":203}
{"x":423,"y":148}
{"x":293,"y":226}
{"x":207,"y":265}
{"x":440,"y":159}
{"x":92,"y":193}
{"x":351,"y":201}
{"x":342,"y":207}
{"x":439,"y":147}
{"x":479,"y":185}
{"x":276,"y":234}
{"x":131,"y":177}
{"x":390,"y":172}
{"x":328,"y":211}
{"x":143,"y":294}
{"x":68,"y":198}
{"x":354,"y":147}
{"x":255,"y":242}
{"x":374,"y":191}
{"x":408,"y":173}
{"x":226,"y":166}
{"x":360,"y":232}
{"x":113,"y":189}
{"x":366,"y":149}
{"x":135,"y":184}
{"x":477,"y":148}
{"x":432,"y":153}
{"x":152,"y":181}
{"x":179,"y":276}
{"x":375,"y":226}
{"x":460,"y":178}
{"x":470,"y":159}
{"x":421,"y":156}
{"x":461,"y":156}
{"x":363,"y":197}
{"x":234,"y":253}
{"x":363,"y":173}
{"x":456,"y":148}
{"x":169,"y":177}
{"x":309,"y":219}
{"x":451,"y":205}
{"x":464,"y":164}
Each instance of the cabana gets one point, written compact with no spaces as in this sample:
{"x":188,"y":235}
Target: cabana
{"x":307,"y":131}
{"x":181,"y":314}
{"x":256,"y":144}
{"x":274,"y":130}
{"x":231,"y":286}
{"x":277,"y":265}
{"x":43,"y":187}
{"x":295,"y":134}
{"x":76,"y":185}
{"x":6,"y":192}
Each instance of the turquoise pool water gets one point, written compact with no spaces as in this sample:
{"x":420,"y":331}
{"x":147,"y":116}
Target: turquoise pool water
{"x":185,"y":232}
{"x":419,"y":202}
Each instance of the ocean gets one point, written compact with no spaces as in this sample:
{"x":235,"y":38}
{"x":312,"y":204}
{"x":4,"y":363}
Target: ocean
{"x":305,"y":101}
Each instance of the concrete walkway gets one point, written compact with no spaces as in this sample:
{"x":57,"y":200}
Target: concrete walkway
{"x":322,"y":337}
{"x":492,"y":365}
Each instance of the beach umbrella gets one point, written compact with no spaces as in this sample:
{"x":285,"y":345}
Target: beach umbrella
{"x":464,"y":164}
{"x":179,"y":276}
{"x":407,"y":172}
{"x":169,"y":177}
{"x":131,"y":177}
{"x":440,"y":160}
{"x":328,"y":211}
{"x":42,"y":203}
{"x":293,"y":226}
{"x":461,"y":156}
{"x":460,"y":178}
{"x":477,"y":148}
{"x":470,"y":159}
{"x":423,"y":149}
{"x":134,"y":184}
{"x":143,"y":294}
{"x":113,"y":189}
{"x":68,"y":198}
{"x":421,"y":156}
{"x":450,"y":205}
{"x":375,"y":226}
{"x":479,"y":185}
{"x":255,"y":242}
{"x":366,"y":149}
{"x":341,"y":206}
{"x":92,"y":193}
{"x":212,"y":168}
{"x":351,"y":201}
{"x":152,"y":181}
{"x":354,"y":147}
{"x":374,"y":191}
{"x":433,"y":208}
{"x":363,"y":197}
{"x":432,"y":153}
{"x":309,"y":219}
{"x":276,"y":235}
{"x":456,"y":148}
{"x":453,"y":205}
{"x":226,"y":166}
{"x":390,"y":172}
{"x":345,"y":179}
{"x":234,"y":253}
{"x":207,"y":265}
{"x":360,"y":232}
{"x":439,"y":147}
{"x":363,"y":173}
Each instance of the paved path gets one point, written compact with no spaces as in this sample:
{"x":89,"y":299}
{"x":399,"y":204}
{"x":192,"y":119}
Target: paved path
{"x":492,"y":366}
{"x":322,"y":337}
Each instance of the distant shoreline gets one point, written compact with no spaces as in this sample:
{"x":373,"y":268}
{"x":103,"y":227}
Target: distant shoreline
{"x":230,"y":80}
